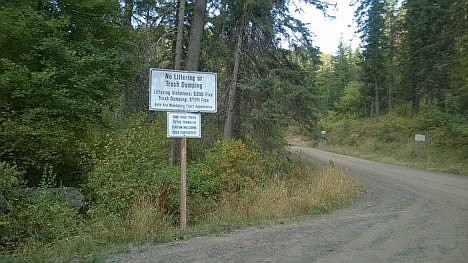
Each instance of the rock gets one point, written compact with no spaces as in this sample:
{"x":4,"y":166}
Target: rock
{"x":74,"y":197}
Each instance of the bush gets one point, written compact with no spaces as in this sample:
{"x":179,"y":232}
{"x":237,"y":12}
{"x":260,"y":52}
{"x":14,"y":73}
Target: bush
{"x":132,"y":166}
{"x":204,"y":192}
{"x":10,"y":181}
{"x":234,"y":165}
{"x":33,"y":215}
{"x":202,"y":182}
{"x":10,"y":177}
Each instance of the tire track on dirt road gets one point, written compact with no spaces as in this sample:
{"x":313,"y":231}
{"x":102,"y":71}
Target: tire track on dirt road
{"x":406,"y":215}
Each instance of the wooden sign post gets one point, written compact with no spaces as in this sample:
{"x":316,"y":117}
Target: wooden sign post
{"x":183,"y":183}
{"x":183,"y":95}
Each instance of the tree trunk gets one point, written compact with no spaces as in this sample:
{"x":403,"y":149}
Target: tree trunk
{"x":196,"y":33}
{"x":392,"y":79}
{"x":392,"y":72}
{"x":174,"y":144}
{"x":232,"y":89}
{"x":390,"y":99}
{"x":128,"y":91}
{"x":193,"y":54}
{"x":414,"y":98}
{"x":180,"y":35}
{"x":128,"y":13}
{"x":376,"y":95}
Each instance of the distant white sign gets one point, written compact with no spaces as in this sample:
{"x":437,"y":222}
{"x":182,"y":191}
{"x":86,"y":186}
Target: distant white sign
{"x":182,"y":91}
{"x":183,"y":125}
{"x":420,"y":137}
{"x":323,"y":132}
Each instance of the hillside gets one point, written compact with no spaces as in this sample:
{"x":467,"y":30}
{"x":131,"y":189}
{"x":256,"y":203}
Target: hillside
{"x":392,"y":139}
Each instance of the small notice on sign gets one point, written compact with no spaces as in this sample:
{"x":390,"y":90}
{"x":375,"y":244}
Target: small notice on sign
{"x":420,"y":137}
{"x":183,"y":125}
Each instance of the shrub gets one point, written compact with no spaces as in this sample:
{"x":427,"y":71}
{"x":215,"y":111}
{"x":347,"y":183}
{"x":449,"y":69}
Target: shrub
{"x":133,"y":165}
{"x":234,"y":165}
{"x":10,"y":177}
{"x":204,"y":192}
{"x":33,"y":215}
{"x":392,"y":139}
{"x":9,"y":184}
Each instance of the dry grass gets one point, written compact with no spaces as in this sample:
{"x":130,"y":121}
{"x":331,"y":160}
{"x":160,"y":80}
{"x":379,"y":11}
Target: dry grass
{"x":308,"y":191}
{"x":315,"y":192}
{"x":335,"y":185}
{"x":145,"y":220}
{"x":407,"y":153}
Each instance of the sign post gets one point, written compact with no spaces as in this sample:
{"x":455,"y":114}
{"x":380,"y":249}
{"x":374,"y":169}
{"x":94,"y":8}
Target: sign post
{"x":420,"y":140}
{"x":322,"y":137}
{"x":183,"y":95}
{"x":183,"y":183}
{"x":183,"y":125}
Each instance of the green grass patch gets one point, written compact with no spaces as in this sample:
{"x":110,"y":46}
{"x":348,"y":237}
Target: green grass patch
{"x":392,"y":140}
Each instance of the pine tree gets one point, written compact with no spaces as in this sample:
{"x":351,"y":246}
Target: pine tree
{"x":371,"y":18}
{"x":429,"y":44}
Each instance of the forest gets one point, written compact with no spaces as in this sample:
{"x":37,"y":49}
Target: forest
{"x":74,"y":79}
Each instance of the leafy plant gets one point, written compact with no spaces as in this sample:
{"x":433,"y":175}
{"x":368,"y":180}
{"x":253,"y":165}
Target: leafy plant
{"x":34,"y":215}
{"x":58,"y":72}
{"x":236,"y":166}
{"x":132,"y":165}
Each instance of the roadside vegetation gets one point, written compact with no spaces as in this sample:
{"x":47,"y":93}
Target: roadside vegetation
{"x":392,"y":139}
{"x":132,"y":196}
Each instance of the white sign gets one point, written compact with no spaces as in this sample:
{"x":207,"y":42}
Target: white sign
{"x":323,"y":132}
{"x":182,"y":91}
{"x":183,"y":125}
{"x":420,"y":137}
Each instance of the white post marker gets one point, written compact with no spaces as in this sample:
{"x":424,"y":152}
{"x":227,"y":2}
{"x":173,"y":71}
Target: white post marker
{"x":420,"y":141}
{"x":420,"y":137}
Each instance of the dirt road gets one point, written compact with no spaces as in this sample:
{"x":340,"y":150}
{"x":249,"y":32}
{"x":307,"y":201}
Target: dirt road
{"x":406,"y":215}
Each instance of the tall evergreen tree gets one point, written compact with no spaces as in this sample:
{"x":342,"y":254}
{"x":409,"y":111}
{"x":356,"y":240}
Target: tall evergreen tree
{"x":429,"y":41}
{"x":458,"y":18}
{"x":391,"y":47}
{"x":371,"y":19}
{"x":252,"y":31}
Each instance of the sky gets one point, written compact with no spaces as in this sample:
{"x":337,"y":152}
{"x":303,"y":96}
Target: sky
{"x":327,"y":31}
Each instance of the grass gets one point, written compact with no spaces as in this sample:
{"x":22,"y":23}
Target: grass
{"x":310,"y":191}
{"x":406,"y":153}
{"x":392,"y":141}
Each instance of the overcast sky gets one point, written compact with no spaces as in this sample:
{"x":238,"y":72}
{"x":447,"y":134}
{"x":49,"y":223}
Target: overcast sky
{"x":329,"y":31}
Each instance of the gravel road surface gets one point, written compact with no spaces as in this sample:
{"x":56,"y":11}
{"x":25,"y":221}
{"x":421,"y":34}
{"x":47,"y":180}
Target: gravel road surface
{"x":406,"y":215}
